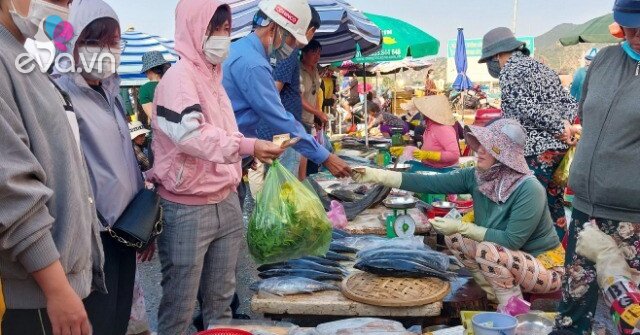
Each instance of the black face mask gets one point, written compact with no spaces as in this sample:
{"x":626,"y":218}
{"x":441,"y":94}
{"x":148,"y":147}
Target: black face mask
{"x":494,"y":68}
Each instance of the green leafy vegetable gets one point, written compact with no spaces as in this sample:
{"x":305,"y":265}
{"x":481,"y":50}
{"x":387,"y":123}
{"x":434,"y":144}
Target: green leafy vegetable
{"x":289,"y":220}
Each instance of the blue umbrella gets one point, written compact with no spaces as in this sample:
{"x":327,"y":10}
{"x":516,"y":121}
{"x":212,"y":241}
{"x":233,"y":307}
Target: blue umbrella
{"x":137,"y":44}
{"x":343,"y":28}
{"x":462,"y":82}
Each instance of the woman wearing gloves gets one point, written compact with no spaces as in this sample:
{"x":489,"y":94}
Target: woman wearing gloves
{"x":512,"y":247}
{"x":533,"y":95}
{"x":440,"y":148}
{"x":198,"y":151}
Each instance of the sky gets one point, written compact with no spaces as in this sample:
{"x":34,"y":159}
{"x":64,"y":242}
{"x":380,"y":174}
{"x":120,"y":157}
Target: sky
{"x":440,"y":18}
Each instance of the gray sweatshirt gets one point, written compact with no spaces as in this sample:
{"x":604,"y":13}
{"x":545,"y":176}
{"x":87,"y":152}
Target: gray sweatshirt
{"x":46,"y":208}
{"x":605,"y":173}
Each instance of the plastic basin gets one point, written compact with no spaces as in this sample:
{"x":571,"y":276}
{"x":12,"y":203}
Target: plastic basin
{"x":494,"y":324}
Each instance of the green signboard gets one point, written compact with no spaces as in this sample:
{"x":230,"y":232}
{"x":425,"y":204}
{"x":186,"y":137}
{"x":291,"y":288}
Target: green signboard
{"x":474,"y":46}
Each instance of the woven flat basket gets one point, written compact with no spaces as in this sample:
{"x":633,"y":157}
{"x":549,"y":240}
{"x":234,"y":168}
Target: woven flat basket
{"x":394,"y":292}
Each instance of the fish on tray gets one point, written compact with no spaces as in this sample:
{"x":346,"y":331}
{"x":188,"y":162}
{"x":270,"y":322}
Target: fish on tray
{"x":341,"y":248}
{"x":334,"y":256}
{"x":396,"y":267}
{"x":323,"y":261}
{"x":339,"y":234}
{"x":433,"y":259}
{"x":288,"y":285}
{"x":311,"y":274}
{"x":303,"y":264}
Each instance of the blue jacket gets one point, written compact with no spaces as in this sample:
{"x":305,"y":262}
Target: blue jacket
{"x":248,"y":80}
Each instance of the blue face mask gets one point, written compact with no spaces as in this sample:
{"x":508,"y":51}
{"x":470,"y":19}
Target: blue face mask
{"x":630,"y":52}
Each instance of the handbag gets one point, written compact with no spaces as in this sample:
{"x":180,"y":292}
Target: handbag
{"x":140,"y":222}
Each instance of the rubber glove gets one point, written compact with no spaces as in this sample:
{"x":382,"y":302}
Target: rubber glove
{"x":601,"y":249}
{"x":452,"y":226}
{"x":446,"y":227}
{"x":368,"y":175}
{"x":423,"y":155}
{"x":396,"y":151}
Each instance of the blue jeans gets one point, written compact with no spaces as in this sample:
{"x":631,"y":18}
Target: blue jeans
{"x":290,"y":159}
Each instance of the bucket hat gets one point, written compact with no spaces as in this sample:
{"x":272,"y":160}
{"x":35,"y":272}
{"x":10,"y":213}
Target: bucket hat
{"x":136,"y":129}
{"x":627,"y":13}
{"x":436,"y":108}
{"x":500,"y":40}
{"x":152,"y":59}
{"x":504,"y":139}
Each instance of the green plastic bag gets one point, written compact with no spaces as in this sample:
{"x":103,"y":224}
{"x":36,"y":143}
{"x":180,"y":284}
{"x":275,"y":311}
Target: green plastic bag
{"x":288,"y":221}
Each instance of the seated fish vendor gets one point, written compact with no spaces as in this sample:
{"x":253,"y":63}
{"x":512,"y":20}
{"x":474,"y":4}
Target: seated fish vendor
{"x":512,"y":247}
{"x":412,"y":116}
{"x":384,"y":120}
{"x":440,"y":149}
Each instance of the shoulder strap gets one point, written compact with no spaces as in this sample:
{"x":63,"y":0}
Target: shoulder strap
{"x":68,"y":105}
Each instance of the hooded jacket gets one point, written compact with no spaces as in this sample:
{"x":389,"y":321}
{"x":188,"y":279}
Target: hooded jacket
{"x":196,"y":145}
{"x":605,"y":175}
{"x":104,"y":133}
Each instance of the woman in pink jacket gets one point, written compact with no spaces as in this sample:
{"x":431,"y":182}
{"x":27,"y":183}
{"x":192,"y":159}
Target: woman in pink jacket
{"x":198,"y":151}
{"x":440,"y":149}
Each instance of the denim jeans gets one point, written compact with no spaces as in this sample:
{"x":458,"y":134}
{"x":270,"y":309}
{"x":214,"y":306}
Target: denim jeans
{"x":290,"y":159}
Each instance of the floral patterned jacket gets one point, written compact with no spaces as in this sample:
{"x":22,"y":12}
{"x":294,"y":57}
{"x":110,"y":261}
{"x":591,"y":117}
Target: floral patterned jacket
{"x":533,"y":95}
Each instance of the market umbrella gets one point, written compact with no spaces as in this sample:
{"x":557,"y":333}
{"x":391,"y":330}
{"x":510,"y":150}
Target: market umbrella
{"x":400,"y":40}
{"x":137,"y":44}
{"x":593,"y":31}
{"x":343,"y":29}
{"x":462,"y":82}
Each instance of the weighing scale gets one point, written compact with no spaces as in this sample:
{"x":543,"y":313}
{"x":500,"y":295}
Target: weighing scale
{"x":400,"y":225}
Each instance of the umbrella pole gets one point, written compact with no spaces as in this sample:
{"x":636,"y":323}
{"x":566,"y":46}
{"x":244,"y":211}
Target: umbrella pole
{"x":395,"y":92}
{"x":366,"y":111}
{"x":464,"y":93}
{"x":339,"y":110}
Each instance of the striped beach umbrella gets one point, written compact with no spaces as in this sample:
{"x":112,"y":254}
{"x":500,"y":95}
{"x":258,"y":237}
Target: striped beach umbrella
{"x":343,"y":29}
{"x":137,"y":44}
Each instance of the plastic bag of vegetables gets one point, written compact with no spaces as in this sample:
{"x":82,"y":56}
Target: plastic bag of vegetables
{"x":288,"y":221}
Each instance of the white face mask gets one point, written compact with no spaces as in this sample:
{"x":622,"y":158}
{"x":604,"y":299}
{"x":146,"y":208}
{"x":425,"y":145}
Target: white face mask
{"x":216,"y":48}
{"x":98,"y":65}
{"x":39,"y":10}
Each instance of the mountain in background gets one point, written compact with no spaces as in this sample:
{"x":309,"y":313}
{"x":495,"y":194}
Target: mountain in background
{"x":565,"y":60}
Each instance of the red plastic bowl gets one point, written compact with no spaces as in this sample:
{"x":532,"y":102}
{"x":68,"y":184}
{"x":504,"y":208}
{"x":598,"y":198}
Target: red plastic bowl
{"x":224,"y":331}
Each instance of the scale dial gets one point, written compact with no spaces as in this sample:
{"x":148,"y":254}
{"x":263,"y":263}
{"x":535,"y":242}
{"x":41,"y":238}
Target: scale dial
{"x":404,"y":226}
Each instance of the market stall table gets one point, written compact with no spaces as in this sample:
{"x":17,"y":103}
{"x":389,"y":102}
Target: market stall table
{"x":333,"y":303}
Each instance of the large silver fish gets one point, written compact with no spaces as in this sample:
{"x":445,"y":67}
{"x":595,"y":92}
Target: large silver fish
{"x":288,"y":285}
